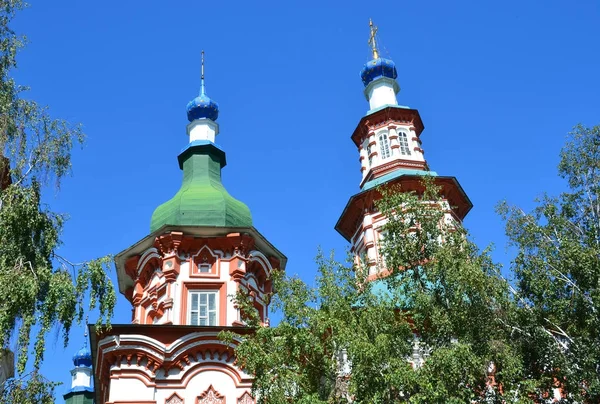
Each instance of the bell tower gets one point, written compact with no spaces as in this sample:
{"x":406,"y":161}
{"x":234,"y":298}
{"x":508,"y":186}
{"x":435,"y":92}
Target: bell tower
{"x":388,"y":142}
{"x":82,"y":390}
{"x":180,"y":279}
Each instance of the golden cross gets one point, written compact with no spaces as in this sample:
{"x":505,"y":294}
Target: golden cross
{"x":372,"y":40}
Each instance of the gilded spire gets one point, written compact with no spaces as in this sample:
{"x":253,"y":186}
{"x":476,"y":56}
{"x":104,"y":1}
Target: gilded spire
{"x":372,"y":40}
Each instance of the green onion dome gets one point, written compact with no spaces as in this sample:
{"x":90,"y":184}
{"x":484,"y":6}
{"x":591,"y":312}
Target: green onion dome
{"x":202,"y":199}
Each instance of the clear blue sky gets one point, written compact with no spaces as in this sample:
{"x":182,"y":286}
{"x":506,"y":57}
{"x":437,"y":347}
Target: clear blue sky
{"x":498,"y":86}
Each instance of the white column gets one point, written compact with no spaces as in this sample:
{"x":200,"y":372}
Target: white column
{"x":369,"y":241}
{"x":364,"y":160}
{"x":373,"y":145}
{"x":393,"y":136}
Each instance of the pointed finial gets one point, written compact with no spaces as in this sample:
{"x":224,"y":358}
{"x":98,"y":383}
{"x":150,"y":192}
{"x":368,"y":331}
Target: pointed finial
{"x":202,"y":74}
{"x":85,"y":332}
{"x":372,"y":41}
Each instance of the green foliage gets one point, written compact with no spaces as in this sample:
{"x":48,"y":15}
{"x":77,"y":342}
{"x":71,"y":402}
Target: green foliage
{"x":484,"y":339}
{"x":43,"y":290}
{"x":33,"y":389}
{"x":459,"y":305}
{"x":557,"y":273}
{"x":298,"y":361}
{"x":349,"y":340}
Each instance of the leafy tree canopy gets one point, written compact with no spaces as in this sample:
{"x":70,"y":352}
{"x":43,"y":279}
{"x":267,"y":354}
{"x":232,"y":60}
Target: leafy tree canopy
{"x":445,"y":325}
{"x":43,"y":289}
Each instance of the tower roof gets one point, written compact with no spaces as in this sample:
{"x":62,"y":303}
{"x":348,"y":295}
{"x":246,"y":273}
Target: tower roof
{"x":83,"y":357}
{"x":202,"y":199}
{"x":377,"y":68}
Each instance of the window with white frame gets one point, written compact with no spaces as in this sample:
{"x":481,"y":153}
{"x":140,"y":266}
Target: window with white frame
{"x":384,"y":145}
{"x":203,"y":308}
{"x":403,"y":140}
{"x":204,"y":268}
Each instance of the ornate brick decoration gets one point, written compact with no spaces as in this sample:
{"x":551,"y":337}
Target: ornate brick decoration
{"x":211,"y":396}
{"x":174,"y":399}
{"x":246,"y":398}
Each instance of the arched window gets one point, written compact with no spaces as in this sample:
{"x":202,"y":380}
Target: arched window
{"x":403,"y":140}
{"x":384,"y":145}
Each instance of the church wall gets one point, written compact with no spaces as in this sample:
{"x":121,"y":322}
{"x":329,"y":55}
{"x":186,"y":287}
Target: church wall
{"x":221,"y":382}
{"x":130,"y":390}
{"x":164,"y":299}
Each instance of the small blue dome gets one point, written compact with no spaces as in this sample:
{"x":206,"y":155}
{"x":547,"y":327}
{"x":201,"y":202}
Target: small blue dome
{"x":83,"y":357}
{"x":376,"y":68}
{"x":202,"y":107}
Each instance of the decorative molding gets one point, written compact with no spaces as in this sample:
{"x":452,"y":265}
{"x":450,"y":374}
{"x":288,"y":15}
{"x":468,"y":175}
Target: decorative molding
{"x":169,"y":243}
{"x":205,"y":255}
{"x":400,"y":117}
{"x":210,"y":396}
{"x":246,"y":398}
{"x":174,"y":399}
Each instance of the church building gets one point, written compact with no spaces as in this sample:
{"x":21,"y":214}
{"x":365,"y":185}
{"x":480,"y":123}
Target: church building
{"x":388,"y":141}
{"x":201,"y":250}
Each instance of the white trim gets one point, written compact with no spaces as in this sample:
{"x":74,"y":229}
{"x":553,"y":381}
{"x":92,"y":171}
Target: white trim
{"x":147,"y":256}
{"x":385,"y":148}
{"x":199,"y":292}
{"x":404,"y":143}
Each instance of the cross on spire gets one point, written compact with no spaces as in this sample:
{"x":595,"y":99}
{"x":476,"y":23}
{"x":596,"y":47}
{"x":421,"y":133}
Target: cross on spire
{"x":202,"y":74}
{"x":372,"y":40}
{"x":85,"y":332}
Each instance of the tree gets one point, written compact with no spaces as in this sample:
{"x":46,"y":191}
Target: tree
{"x":353,"y":340}
{"x":44,"y":289}
{"x":557,"y":275}
{"x":533,"y":339}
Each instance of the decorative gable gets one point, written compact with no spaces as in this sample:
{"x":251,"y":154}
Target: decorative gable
{"x":246,"y":398}
{"x":211,"y":396}
{"x":174,"y":399}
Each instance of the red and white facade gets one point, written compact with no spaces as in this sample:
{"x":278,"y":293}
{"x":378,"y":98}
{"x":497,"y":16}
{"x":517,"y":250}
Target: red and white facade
{"x":180,"y":282}
{"x":388,"y":141}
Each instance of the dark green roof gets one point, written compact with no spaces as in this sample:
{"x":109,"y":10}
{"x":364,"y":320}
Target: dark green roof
{"x":202,"y":199}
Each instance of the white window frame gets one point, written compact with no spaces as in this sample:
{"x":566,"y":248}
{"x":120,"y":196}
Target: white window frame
{"x":204,"y":268}
{"x":403,"y":141}
{"x":191,"y":309}
{"x":384,"y":145}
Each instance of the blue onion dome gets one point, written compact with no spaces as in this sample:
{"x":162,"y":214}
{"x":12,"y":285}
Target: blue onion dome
{"x":376,"y":68}
{"x":83,"y":357}
{"x":202,"y":107}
